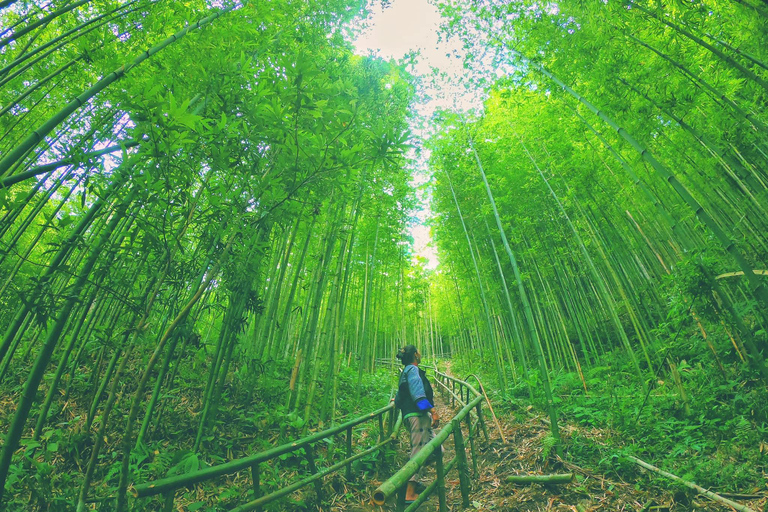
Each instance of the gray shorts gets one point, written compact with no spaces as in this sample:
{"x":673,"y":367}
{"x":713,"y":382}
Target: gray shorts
{"x":420,"y":429}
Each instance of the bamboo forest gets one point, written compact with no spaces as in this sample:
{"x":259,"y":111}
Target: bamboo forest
{"x":221,"y":221}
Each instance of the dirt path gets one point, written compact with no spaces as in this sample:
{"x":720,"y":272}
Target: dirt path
{"x":525,"y":453}
{"x":357,"y":498}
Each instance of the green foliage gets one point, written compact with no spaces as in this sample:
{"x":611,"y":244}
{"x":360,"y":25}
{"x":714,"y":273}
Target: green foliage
{"x":222,"y":143}
{"x":547,"y":444}
{"x":692,"y":284}
{"x":631,"y":196}
{"x":207,"y":252}
{"x":715,"y":433}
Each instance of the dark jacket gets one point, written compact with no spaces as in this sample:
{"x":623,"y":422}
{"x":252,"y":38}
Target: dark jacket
{"x":412,"y":387}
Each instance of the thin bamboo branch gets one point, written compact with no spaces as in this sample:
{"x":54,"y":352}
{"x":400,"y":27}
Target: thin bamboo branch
{"x":709,"y":494}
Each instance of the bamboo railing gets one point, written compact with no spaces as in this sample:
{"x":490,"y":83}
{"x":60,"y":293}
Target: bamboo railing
{"x":168,"y":486}
{"x":470,"y":400}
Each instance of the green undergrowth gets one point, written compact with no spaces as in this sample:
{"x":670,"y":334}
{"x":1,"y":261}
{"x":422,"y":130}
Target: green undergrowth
{"x":257,"y":418}
{"x":253,"y":416}
{"x":711,"y":428}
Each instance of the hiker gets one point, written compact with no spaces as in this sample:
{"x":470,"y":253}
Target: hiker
{"x":416,"y":401}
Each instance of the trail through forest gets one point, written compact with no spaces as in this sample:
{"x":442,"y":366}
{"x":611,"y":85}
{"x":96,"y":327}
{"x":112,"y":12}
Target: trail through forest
{"x":527,"y":452}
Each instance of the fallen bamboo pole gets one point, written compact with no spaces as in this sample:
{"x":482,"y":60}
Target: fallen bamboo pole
{"x":541,"y":479}
{"x":709,"y":494}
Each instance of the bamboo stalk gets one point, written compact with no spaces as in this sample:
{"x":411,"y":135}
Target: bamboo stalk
{"x":730,"y":60}
{"x":16,"y":428}
{"x":41,"y":169}
{"x":757,"y":288}
{"x":530,"y":323}
{"x":484,"y":301}
{"x":40,"y":133}
{"x":709,"y":494}
{"x":55,"y":40}
{"x":32,"y":26}
{"x":563,"y":478}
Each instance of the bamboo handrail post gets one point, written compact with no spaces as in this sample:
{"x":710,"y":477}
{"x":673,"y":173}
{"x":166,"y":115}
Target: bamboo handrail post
{"x":400,"y":506}
{"x":349,"y":453}
{"x":424,"y":496}
{"x":392,"y":425}
{"x":309,"y":452}
{"x":256,"y":481}
{"x":472,"y":446}
{"x":482,"y":422}
{"x":169,"y":499}
{"x":440,"y":470}
{"x":395,"y":431}
{"x":381,"y":439}
{"x":461,"y":457}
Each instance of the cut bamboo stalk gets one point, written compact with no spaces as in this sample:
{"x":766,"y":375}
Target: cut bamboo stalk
{"x":563,"y":478}
{"x":709,"y":494}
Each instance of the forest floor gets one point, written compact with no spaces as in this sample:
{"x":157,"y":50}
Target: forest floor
{"x":525,"y":453}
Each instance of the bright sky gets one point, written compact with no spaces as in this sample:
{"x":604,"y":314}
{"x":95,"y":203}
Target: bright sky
{"x":412,"y":26}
